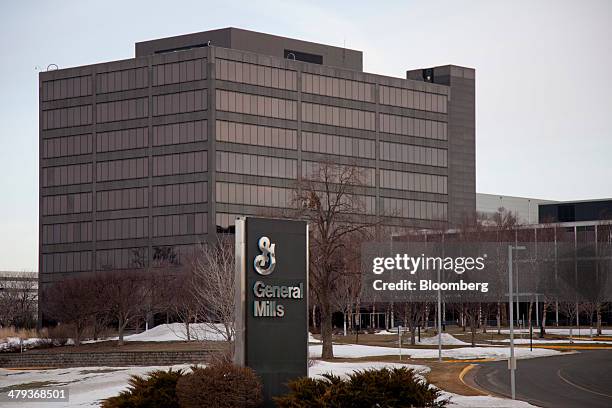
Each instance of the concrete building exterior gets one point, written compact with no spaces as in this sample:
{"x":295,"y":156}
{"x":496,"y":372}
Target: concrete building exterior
{"x":142,"y":158}
{"x":525,"y":208}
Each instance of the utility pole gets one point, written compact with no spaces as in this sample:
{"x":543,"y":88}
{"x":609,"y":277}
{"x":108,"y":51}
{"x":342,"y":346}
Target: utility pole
{"x":512,"y":360}
{"x":439,"y":320}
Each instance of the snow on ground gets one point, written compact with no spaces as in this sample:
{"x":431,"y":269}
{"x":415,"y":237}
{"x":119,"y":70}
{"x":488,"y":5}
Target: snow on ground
{"x":13,"y":342}
{"x":86,"y":385}
{"x":462,"y":353}
{"x":342,"y":369}
{"x":312,"y":339}
{"x":178,"y":332}
{"x":463,"y":401}
{"x":385,"y":332}
{"x":447,"y":340}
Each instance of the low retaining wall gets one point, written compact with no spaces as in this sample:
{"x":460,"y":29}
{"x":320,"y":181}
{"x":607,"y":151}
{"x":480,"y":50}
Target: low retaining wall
{"x":109,"y":359}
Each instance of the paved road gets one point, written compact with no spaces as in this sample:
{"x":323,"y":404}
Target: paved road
{"x":579,"y":380}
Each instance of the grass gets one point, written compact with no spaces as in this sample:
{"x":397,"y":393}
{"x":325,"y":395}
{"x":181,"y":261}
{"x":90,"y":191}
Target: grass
{"x":6,"y":332}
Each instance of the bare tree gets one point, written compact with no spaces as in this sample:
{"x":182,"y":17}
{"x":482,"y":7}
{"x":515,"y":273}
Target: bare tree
{"x":127,"y":294}
{"x":326,"y":199}
{"x":73,"y":302}
{"x":213,"y":286}
{"x":181,"y":300}
{"x":18,"y":301}
{"x":412,"y":315}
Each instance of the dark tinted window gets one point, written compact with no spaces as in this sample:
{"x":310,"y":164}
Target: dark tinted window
{"x":304,"y":56}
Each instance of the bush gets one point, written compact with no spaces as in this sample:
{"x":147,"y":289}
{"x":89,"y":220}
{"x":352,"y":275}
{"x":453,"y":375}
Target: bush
{"x":220,"y":385}
{"x":59,"y":335}
{"x":158,"y":390}
{"x":384,"y":388}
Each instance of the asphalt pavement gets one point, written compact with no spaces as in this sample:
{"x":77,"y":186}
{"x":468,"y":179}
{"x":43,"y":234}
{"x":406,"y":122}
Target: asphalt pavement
{"x":583,"y":379}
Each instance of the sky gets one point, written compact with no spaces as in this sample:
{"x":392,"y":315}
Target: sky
{"x":543,"y":79}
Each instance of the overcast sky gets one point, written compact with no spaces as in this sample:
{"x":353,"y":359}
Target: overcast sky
{"x":543,"y":79}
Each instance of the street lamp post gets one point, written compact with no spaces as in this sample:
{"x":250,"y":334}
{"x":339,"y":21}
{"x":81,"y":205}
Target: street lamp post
{"x":512,"y":360}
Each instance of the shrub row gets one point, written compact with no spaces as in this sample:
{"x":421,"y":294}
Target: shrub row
{"x":223,"y":385}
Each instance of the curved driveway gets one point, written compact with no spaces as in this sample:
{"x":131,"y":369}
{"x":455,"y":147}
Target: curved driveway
{"x":583,"y":379}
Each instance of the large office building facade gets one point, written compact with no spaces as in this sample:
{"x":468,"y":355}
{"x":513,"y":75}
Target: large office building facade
{"x":145,"y":157}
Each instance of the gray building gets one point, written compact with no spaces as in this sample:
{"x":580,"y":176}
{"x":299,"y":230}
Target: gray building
{"x":141,"y":159}
{"x":525,"y":208}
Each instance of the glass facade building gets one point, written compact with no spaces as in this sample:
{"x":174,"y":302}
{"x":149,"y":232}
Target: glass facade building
{"x":151,"y":155}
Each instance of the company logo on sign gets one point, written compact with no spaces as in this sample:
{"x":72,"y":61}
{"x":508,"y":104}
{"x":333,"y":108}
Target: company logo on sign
{"x":266,"y":261}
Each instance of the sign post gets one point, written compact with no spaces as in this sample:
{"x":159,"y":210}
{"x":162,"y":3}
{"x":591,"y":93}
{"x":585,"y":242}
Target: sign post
{"x":272,"y":301}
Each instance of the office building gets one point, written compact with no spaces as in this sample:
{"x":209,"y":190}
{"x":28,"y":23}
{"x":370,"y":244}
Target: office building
{"x":142,"y":158}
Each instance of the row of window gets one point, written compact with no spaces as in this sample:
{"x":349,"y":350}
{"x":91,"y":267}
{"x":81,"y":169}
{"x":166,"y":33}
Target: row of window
{"x":66,"y":233}
{"x":340,"y":145}
{"x":255,"y":74}
{"x":179,"y":224}
{"x":256,"y":135}
{"x":176,"y":133}
{"x":407,"y":98}
{"x":122,"y":258}
{"x":349,"y":203}
{"x":265,"y":196}
{"x":66,"y":204}
{"x":122,"y":139}
{"x":180,"y":102}
{"x":123,"y":199}
{"x":364,"y":175}
{"x":402,"y":125}
{"x":66,"y":262}
{"x":114,"y":81}
{"x":336,"y":87}
{"x":247,"y":194}
{"x":175,"y":72}
{"x":422,"y":210}
{"x":66,"y":146}
{"x":122,"y":169}
{"x":265,"y":166}
{"x":65,"y":175}
{"x":126,"y":228}
{"x":400,"y":180}
{"x":180,"y":163}
{"x":178,"y":194}
{"x":256,"y":105}
{"x":66,"y":88}
{"x":67,"y":117}
{"x":122,"y":110}
{"x":336,"y":116}
{"x":403,"y":153}
{"x":110,"y":259}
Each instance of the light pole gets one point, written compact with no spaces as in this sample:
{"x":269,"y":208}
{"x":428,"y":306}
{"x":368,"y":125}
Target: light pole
{"x":439,"y":320}
{"x":512,"y":360}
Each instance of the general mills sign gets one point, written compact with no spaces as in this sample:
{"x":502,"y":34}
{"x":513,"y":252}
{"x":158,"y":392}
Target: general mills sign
{"x":272,"y":300}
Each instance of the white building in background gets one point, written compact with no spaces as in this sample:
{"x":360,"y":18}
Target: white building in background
{"x":525,"y":208}
{"x":25,"y":282}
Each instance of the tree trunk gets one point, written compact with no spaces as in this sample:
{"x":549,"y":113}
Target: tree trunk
{"x":598,"y":312}
{"x":498,"y":316}
{"x":120,"y":329}
{"x":326,"y":330}
{"x":529,"y":313}
{"x":543,"y":322}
